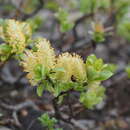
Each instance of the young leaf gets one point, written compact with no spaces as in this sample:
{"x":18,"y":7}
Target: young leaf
{"x":92,"y":97}
{"x":103,"y":75}
{"x":128,"y":71}
{"x":65,"y":23}
{"x":40,"y":89}
{"x":5,"y":48}
{"x":47,"y":121}
{"x":40,"y":72}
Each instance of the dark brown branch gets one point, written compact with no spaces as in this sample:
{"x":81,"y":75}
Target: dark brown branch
{"x":117,"y":77}
{"x":84,"y":17}
{"x":70,"y":108}
{"x":78,"y":21}
{"x":56,"y":108}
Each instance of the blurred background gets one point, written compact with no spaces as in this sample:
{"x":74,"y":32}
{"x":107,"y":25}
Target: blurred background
{"x":84,"y":27}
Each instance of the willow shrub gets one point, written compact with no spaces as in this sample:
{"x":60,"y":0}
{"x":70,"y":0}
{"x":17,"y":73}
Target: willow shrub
{"x":47,"y":71}
{"x":56,"y":74}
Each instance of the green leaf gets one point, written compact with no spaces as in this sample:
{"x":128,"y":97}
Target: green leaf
{"x":35,"y":23}
{"x":62,"y":87}
{"x":48,"y":86}
{"x":52,"y":5}
{"x":103,"y":75}
{"x":65,"y":24}
{"x":123,"y":28}
{"x":92,"y":97}
{"x":97,"y":70}
{"x":47,"y":121}
{"x":89,"y":6}
{"x":40,"y":90}
{"x":5,"y":48}
{"x":91,"y":73}
{"x":40,"y":72}
{"x":110,"y":67}
{"x":99,"y":37}
{"x":123,"y":9}
{"x":98,"y":64}
{"x":79,"y":87}
{"x":104,"y":4}
{"x":62,"y":15}
{"x":127,"y":69}
{"x":91,"y":59}
{"x":85,"y":6}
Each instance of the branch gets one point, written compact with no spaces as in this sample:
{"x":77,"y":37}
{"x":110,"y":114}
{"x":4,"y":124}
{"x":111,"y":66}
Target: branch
{"x":15,"y":109}
{"x":56,"y":107}
{"x":120,"y":75}
{"x":78,"y":21}
{"x":18,"y":106}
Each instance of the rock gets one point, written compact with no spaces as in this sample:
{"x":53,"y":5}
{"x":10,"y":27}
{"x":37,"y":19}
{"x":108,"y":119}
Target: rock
{"x":4,"y":128}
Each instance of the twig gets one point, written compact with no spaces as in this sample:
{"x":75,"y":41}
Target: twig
{"x":79,"y":125}
{"x":16,"y":120}
{"x":70,"y":108}
{"x":30,"y":125}
{"x":77,"y":22}
{"x":56,"y":107}
{"x":8,"y":121}
{"x":16,"y":108}
{"x":117,"y":77}
{"x":87,"y":43}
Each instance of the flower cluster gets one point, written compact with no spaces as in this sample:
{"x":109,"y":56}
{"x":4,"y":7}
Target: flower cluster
{"x":56,"y":74}
{"x":44,"y":56}
{"x":64,"y":72}
{"x":73,"y":68}
{"x":16,"y":35}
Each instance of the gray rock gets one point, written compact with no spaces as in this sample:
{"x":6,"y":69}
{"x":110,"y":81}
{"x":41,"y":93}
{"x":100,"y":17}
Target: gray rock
{"x":4,"y":128}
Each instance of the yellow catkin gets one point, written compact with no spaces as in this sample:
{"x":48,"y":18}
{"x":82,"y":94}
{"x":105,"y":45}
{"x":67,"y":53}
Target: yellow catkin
{"x":73,"y":67}
{"x":26,"y":29}
{"x":14,"y":36}
{"x":30,"y":61}
{"x":44,"y":55}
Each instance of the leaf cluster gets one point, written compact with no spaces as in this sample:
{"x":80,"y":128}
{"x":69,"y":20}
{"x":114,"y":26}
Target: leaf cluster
{"x":67,"y":72}
{"x":48,"y":122}
{"x":65,"y":24}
